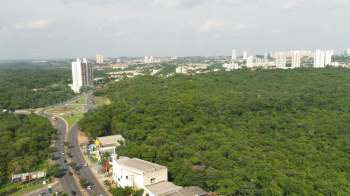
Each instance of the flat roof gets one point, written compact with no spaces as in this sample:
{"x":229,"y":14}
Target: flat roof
{"x":188,"y":191}
{"x":122,"y":160}
{"x":140,"y":165}
{"x":162,"y":187}
{"x":110,"y":139}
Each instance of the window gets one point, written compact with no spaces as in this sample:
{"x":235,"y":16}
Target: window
{"x":118,"y":179}
{"x":153,"y":180}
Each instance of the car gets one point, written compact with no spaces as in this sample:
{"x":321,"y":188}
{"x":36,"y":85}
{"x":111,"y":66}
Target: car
{"x":85,"y":164}
{"x":62,"y":152}
{"x":89,"y":187}
{"x":65,"y":161}
{"x":73,"y":192}
{"x":70,"y":173}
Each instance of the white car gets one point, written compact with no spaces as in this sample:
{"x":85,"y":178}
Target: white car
{"x":85,"y":164}
{"x":62,"y":152}
{"x":89,"y":187}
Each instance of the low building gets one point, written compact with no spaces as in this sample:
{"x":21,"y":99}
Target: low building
{"x":152,"y":178}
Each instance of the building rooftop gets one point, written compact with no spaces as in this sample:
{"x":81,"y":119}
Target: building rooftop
{"x":122,"y":160}
{"x":188,"y":191}
{"x":162,"y":187}
{"x":140,"y":165}
{"x":110,"y":139}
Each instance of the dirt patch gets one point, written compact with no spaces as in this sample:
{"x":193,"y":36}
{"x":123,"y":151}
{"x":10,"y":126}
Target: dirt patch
{"x":82,"y":138}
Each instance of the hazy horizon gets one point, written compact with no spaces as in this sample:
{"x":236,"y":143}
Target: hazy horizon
{"x":68,"y":29}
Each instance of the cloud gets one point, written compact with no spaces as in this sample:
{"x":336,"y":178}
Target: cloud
{"x":118,"y":19}
{"x":99,"y":29}
{"x":3,"y":30}
{"x":276,"y":31}
{"x":292,"y":4}
{"x":40,"y":24}
{"x":328,"y":30}
{"x":118,"y":34}
{"x":50,"y":34}
{"x":176,"y":3}
{"x":214,"y":25}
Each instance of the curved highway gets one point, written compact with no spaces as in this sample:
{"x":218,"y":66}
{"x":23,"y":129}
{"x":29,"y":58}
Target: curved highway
{"x":68,"y":182}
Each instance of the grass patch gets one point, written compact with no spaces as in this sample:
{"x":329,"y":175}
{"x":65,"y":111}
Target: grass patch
{"x":27,"y":190}
{"x":64,"y":109}
{"x":99,"y":101}
{"x":81,"y":100}
{"x":73,"y":119}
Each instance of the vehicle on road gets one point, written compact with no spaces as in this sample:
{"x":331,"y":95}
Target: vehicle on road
{"x":62,"y":152}
{"x":70,"y":173}
{"x":73,"y":192}
{"x":65,"y":161}
{"x":54,"y":118}
{"x":85,"y":164}
{"x":41,"y":193}
{"x":89,"y":187}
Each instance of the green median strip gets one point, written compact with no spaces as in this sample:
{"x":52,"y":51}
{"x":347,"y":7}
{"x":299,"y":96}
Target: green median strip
{"x":81,"y":100}
{"x":28,"y":190}
{"x":64,"y":109}
{"x":72,"y":119}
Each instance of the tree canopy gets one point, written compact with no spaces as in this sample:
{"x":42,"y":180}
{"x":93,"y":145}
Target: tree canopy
{"x":262,"y":132}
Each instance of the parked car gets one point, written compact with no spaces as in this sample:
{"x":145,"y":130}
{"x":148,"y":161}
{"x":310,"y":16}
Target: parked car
{"x":85,"y":164}
{"x":62,"y":152}
{"x":89,"y":187}
{"x":70,"y":173}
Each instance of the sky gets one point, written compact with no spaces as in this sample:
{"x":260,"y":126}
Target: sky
{"x":56,"y":29}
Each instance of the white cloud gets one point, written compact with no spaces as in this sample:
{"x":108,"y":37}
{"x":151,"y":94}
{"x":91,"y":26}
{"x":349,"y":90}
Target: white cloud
{"x":292,"y":4}
{"x":166,"y":3}
{"x":50,"y":34}
{"x":214,"y":25}
{"x":276,"y":31}
{"x":3,"y":30}
{"x":40,"y":24}
{"x":100,"y":29}
{"x":328,"y":30}
{"x":118,"y":19}
{"x":118,"y":34}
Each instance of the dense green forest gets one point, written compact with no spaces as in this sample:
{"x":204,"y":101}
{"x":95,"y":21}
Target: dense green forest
{"x":262,"y":132}
{"x":24,"y":144}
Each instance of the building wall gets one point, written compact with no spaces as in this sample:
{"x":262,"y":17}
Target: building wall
{"x":159,"y":175}
{"x":296,"y":59}
{"x":280,"y":59}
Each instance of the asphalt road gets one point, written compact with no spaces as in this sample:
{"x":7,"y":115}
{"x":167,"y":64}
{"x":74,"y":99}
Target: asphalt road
{"x":68,"y":183}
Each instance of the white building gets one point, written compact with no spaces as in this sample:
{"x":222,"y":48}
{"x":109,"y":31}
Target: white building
{"x":152,"y":178}
{"x":99,"y":58}
{"x":348,"y":51}
{"x":82,"y":73}
{"x":245,"y":55}
{"x":234,"y":55}
{"x":181,"y":69}
{"x":328,"y":57}
{"x":319,"y":59}
{"x":281,"y":59}
{"x":296,"y":59}
{"x":118,"y":61}
{"x":146,"y":59}
{"x":265,"y":55}
{"x":151,"y":60}
{"x":250,"y":61}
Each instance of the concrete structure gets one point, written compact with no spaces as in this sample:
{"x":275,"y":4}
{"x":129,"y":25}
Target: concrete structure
{"x":348,"y":51}
{"x":146,"y":59}
{"x":245,"y":55}
{"x":265,"y":55}
{"x":234,"y":55}
{"x":281,"y":59}
{"x":151,"y":60}
{"x":296,"y":59}
{"x":99,"y":58}
{"x":82,"y":73}
{"x":152,"y":178}
{"x":181,"y":69}
{"x":250,"y":62}
{"x":319,"y":59}
{"x":328,"y":57}
{"x":118,"y":61}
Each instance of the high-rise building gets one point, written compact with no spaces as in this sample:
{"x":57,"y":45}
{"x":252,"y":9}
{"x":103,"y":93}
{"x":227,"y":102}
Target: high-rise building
{"x":296,"y":59}
{"x":332,"y":52}
{"x":265,"y":55}
{"x":234,"y":55}
{"x":319,"y":59}
{"x":151,"y":59}
{"x":82,"y":73}
{"x":146,"y":59}
{"x":250,"y":61}
{"x":272,"y":54}
{"x":348,"y":51}
{"x":328,"y":57}
{"x":281,"y":59}
{"x":99,"y":58}
{"x":245,"y":55}
{"x":118,"y":61}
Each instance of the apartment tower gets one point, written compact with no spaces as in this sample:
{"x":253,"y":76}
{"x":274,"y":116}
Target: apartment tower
{"x":281,"y":59}
{"x":82,"y":73}
{"x":296,"y":59}
{"x":99,"y":58}
{"x":319,"y":59}
{"x":234,"y":55}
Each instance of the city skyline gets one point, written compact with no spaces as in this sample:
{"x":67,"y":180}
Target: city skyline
{"x":53,"y":29}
